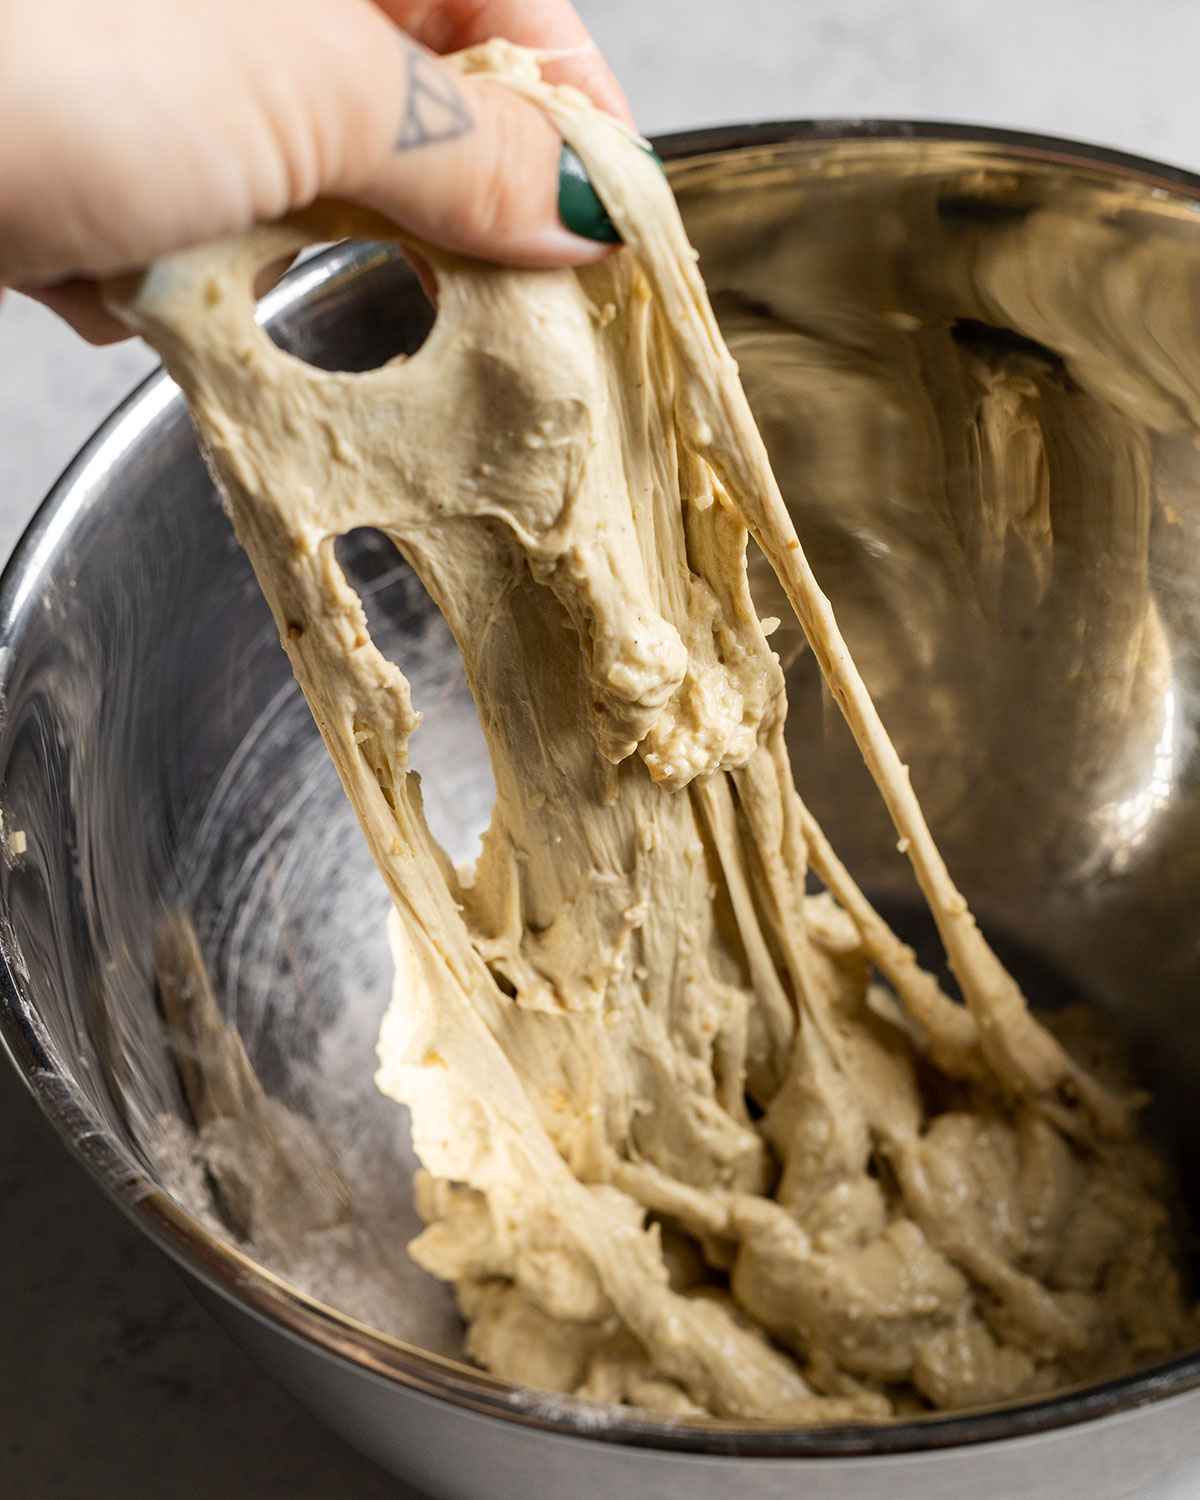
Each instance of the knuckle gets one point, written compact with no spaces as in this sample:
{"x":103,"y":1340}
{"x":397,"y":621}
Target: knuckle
{"x":496,"y":194}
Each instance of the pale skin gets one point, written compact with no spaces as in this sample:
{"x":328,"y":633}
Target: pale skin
{"x":133,"y":128}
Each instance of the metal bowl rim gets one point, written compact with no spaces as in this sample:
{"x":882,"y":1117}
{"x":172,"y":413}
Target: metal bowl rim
{"x":232,"y":1275}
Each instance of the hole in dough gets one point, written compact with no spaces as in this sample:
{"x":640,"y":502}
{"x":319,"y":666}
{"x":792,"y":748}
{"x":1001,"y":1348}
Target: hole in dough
{"x":448,"y":750}
{"x":272,"y":274}
{"x":345,"y":332}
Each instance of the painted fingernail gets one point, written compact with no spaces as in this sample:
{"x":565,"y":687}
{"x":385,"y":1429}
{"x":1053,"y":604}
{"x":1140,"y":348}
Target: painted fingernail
{"x":579,"y":205}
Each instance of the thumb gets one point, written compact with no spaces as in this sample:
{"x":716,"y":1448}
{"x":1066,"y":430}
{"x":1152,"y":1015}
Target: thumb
{"x":468,"y":164}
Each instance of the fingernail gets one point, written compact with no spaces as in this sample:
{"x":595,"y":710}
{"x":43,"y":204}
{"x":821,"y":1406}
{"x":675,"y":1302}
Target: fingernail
{"x":579,"y":205}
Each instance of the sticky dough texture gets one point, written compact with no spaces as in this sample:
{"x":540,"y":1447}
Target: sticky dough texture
{"x":693,"y":1140}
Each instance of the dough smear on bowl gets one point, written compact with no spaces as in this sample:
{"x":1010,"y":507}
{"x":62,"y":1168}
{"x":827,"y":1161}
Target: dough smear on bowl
{"x":694,"y":1140}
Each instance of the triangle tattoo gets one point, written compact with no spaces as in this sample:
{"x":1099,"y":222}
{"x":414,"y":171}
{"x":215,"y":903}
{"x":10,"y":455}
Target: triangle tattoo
{"x":435,"y":109}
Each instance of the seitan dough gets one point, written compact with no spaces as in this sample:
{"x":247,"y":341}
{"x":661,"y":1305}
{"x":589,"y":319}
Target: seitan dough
{"x":694,"y":1140}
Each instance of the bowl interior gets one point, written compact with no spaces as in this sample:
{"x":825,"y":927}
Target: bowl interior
{"x":976,"y":365}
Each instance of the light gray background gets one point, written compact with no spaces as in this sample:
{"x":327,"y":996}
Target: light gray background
{"x":111,"y":1381}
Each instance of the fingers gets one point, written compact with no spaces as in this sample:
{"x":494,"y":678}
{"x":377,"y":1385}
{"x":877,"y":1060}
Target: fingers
{"x":129,"y":130}
{"x":213,"y":115}
{"x":467,"y":164}
{"x":448,"y":25}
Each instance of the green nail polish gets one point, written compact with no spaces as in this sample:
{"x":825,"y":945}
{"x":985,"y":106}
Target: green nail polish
{"x":579,"y":205}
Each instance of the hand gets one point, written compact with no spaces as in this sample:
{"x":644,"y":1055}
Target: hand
{"x":129,"y":128}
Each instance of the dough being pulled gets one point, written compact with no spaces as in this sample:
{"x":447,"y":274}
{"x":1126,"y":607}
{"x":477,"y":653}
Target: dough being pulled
{"x":695,"y":1141}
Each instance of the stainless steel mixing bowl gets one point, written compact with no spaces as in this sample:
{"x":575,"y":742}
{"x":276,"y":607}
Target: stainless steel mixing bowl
{"x":976,"y":358}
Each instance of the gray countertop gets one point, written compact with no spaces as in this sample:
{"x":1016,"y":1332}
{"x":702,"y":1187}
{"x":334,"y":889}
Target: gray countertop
{"x":112,"y":1381}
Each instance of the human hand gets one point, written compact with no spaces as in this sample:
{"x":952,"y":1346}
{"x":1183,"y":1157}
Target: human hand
{"x":129,"y":128}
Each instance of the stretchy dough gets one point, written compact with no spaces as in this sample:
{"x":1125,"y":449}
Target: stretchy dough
{"x":694,"y":1140}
